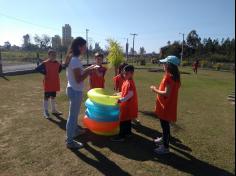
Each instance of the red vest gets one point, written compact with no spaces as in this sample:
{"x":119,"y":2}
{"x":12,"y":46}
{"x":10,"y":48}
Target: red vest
{"x":129,"y":109}
{"x":166,"y":107}
{"x":51,"y":80}
{"x":97,"y":81}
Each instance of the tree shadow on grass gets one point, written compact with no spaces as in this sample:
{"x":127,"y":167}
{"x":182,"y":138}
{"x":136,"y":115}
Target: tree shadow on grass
{"x":140,"y":148}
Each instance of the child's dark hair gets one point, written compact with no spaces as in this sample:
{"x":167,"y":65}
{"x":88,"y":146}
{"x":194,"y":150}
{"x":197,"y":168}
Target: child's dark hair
{"x":174,"y":71}
{"x":129,"y":68}
{"x":74,"y":49}
{"x":121,"y":67}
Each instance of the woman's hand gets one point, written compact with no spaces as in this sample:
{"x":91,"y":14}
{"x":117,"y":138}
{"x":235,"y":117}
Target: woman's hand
{"x":153,"y":88}
{"x":117,"y":94}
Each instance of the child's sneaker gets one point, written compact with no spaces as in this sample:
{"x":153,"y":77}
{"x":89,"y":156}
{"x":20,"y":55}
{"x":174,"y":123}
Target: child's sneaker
{"x":117,"y":139}
{"x":74,"y":145}
{"x":56,"y":113}
{"x":136,"y":121}
{"x":46,"y":115}
{"x":162,"y":150}
{"x":158,"y":141}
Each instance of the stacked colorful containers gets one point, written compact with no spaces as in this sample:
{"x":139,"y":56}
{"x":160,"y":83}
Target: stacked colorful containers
{"x":102,"y":113}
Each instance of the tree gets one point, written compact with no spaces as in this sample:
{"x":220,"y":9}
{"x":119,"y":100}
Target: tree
{"x":115,"y":56}
{"x":43,"y":42}
{"x":142,"y":51}
{"x":193,"y":40}
{"x":7,"y":45}
{"x":26,"y":40}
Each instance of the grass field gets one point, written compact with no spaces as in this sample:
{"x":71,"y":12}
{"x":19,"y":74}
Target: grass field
{"x":203,"y":141}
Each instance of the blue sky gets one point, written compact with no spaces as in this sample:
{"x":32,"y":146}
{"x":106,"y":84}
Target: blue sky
{"x":156,"y":21}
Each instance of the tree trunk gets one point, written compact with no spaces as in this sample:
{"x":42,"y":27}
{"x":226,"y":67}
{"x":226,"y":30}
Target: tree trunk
{"x":116,"y":71}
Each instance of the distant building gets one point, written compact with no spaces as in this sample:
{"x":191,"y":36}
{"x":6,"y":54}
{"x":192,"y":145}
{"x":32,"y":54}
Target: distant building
{"x":66,"y":35}
{"x":56,"y":42}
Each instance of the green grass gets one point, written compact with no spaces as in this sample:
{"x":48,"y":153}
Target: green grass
{"x":203,"y":141}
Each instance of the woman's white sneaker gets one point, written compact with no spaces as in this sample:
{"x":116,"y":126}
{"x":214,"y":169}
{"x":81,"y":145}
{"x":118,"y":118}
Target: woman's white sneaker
{"x":158,"y":141}
{"x":162,"y":150}
{"x":74,"y":145}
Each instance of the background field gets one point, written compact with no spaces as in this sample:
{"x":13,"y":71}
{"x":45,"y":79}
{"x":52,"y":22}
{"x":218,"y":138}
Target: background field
{"x":203,"y":141}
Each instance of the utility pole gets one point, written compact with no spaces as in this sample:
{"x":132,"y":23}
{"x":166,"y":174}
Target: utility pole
{"x":134,"y":35}
{"x":87,"y":46}
{"x":1,"y":72}
{"x":182,"y":52}
{"x":127,"y":49}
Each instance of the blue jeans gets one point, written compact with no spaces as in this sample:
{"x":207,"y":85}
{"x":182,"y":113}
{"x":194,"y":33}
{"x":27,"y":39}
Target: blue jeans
{"x":75,"y":98}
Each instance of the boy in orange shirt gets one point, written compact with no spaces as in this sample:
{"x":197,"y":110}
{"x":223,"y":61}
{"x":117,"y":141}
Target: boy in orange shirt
{"x":128,"y":104}
{"x":50,"y":68}
{"x":167,"y":98}
{"x":96,"y":78}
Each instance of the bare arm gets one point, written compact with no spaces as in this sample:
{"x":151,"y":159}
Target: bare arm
{"x":165,"y":93}
{"x":80,"y":75}
{"x":127,"y":97}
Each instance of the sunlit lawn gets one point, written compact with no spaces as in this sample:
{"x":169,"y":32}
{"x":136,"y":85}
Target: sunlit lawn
{"x":203,"y":141}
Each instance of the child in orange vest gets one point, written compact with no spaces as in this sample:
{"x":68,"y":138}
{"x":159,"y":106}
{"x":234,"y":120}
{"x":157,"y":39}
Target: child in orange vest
{"x":96,"y":78}
{"x":166,"y":104}
{"x":128,"y":104}
{"x":119,"y":79}
{"x":50,"y":69}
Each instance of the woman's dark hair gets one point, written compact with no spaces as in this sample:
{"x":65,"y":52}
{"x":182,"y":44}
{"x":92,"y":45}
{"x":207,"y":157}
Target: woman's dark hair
{"x":174,"y":72}
{"x":74,"y":49}
{"x":121,"y":67}
{"x":129,"y":68}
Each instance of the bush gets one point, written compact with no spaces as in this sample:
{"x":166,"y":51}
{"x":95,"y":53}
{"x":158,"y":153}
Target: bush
{"x":142,"y":62}
{"x":185,"y":63}
{"x":204,"y":63}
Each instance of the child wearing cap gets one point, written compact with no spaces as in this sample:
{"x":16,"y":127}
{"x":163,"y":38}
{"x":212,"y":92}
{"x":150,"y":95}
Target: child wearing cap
{"x":97,"y":77}
{"x":50,"y":68}
{"x":166,"y":103}
{"x":128,"y":104}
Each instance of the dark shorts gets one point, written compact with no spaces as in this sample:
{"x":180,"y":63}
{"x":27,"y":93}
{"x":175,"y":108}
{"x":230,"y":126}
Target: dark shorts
{"x":50,"y":94}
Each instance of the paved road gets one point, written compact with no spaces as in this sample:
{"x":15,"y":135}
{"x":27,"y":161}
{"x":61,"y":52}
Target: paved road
{"x":12,"y":68}
{"x":21,"y":67}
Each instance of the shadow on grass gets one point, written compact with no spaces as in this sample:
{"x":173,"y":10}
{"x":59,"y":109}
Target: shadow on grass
{"x":103,"y":164}
{"x":5,"y":78}
{"x":154,"y":134}
{"x":152,"y":114}
{"x":140,"y":148}
{"x":191,"y":165}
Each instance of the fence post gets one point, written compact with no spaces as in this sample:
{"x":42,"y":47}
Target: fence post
{"x":1,"y":72}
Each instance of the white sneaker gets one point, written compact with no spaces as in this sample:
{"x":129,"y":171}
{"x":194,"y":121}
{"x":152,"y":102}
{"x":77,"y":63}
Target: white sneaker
{"x":74,"y":145}
{"x":56,"y":113}
{"x":162,"y":150}
{"x":158,"y":141}
{"x":46,"y":114}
